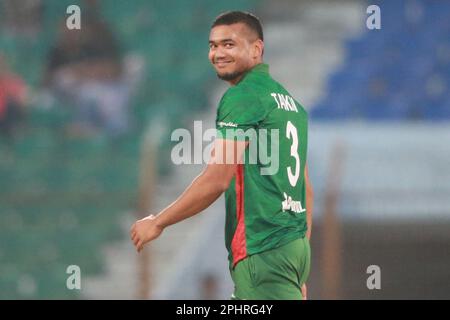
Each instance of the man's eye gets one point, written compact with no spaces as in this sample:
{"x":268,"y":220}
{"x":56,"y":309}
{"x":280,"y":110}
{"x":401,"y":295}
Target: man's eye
{"x":228,"y":45}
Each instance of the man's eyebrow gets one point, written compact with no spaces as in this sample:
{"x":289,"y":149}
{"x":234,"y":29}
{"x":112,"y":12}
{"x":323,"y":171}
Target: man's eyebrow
{"x":222,"y":41}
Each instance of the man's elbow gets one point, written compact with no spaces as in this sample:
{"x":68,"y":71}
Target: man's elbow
{"x":218,"y":183}
{"x":310,"y":191}
{"x":223,"y":185}
{"x":218,"y":187}
{"x":309,"y":188}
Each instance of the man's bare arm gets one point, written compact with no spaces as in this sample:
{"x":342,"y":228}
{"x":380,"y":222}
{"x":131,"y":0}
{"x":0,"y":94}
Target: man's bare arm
{"x":309,"y":202}
{"x":309,"y":213}
{"x":204,"y":190}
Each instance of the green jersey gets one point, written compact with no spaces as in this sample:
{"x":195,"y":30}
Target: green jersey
{"x":265,"y":202}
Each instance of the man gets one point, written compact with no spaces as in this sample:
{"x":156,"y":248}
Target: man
{"x":267,"y":227}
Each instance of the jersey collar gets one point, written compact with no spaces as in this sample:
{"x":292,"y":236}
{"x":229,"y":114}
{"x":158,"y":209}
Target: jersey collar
{"x":259,"y":68}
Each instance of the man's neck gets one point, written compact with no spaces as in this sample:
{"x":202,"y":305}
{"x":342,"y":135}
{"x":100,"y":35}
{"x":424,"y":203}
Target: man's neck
{"x":236,"y":80}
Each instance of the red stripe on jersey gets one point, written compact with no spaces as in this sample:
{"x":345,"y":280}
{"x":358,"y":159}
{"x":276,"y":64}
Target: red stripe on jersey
{"x":238,"y":244}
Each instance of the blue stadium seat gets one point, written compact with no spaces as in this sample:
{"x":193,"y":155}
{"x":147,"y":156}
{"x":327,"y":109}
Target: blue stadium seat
{"x":385,"y":73}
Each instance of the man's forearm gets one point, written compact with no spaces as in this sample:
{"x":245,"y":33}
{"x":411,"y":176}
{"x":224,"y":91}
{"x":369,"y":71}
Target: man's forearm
{"x":309,"y":224}
{"x":198,"y":196}
{"x":309,"y":211}
{"x":309,"y":203}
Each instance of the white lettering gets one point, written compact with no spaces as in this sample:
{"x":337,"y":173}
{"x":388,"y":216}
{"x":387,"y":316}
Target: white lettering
{"x":74,"y":20}
{"x":291,"y":205}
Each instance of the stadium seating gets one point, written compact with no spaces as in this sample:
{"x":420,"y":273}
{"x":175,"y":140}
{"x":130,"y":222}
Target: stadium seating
{"x":398,"y":73}
{"x":61,"y":198}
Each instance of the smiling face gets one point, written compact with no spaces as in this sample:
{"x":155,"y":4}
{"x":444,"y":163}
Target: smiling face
{"x":233,"y":50}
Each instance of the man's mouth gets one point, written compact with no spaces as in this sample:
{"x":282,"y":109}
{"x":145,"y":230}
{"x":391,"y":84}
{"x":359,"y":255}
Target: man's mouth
{"x":222,"y":64}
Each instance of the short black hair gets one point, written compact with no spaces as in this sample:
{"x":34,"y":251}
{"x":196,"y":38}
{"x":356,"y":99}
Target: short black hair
{"x":232,"y":17}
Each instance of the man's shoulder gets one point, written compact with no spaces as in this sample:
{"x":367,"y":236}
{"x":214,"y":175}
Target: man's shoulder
{"x":243,"y":88}
{"x":242,"y":93}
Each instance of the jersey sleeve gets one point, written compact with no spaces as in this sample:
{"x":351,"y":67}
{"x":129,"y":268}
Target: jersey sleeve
{"x":239,"y":110}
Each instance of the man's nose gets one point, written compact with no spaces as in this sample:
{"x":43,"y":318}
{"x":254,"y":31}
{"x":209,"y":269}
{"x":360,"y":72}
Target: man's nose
{"x":219,"y":54}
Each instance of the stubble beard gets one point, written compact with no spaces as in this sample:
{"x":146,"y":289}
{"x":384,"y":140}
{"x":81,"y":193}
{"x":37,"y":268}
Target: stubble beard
{"x":230,"y":76}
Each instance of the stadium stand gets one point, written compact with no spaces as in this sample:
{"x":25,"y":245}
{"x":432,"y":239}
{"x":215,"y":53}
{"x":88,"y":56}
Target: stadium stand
{"x":399,"y":73}
{"x":61,"y":198}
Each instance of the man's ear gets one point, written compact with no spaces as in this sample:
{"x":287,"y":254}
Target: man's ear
{"x":258,"y":48}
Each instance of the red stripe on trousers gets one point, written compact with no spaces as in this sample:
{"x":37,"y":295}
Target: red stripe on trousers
{"x":238,"y":244}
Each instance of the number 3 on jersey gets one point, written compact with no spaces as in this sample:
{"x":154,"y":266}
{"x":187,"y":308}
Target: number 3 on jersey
{"x":291,"y":132}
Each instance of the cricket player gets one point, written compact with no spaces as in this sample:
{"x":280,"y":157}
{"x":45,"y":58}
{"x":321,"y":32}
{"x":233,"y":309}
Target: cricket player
{"x":268,"y":213}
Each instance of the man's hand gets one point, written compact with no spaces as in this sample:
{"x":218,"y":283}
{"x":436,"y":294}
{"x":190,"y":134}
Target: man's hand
{"x":145,"y":230}
{"x":304,"y":291}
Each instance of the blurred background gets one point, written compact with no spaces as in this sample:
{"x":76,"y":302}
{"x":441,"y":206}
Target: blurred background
{"x":86,"y":118}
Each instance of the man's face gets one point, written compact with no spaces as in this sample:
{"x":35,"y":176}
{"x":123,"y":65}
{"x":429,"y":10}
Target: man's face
{"x":232,"y":50}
